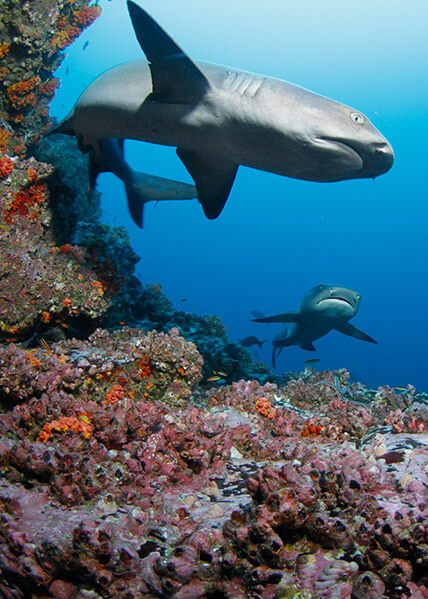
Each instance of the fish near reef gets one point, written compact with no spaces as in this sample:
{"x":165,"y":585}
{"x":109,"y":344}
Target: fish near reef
{"x":250,"y":341}
{"x":219,"y":118}
{"x":323,"y":309}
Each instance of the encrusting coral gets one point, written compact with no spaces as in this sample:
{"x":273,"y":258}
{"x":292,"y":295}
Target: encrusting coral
{"x":33,"y":36}
{"x":158,"y":488}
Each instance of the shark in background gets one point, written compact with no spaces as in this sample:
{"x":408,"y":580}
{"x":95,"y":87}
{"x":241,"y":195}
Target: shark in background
{"x":323,"y":309}
{"x":218,"y":118}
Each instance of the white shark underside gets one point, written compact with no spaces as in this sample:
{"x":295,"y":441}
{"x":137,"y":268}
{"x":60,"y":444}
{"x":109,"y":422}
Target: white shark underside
{"x":220,"y":117}
{"x":323,"y":309}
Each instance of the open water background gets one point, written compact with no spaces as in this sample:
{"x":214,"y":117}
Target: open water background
{"x":278,"y":237}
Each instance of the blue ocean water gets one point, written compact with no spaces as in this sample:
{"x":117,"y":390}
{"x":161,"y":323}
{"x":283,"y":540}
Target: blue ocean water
{"x":278,"y":237}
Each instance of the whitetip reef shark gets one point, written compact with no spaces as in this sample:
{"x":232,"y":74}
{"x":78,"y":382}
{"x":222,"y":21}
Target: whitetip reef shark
{"x":323,"y":309}
{"x":218,"y":118}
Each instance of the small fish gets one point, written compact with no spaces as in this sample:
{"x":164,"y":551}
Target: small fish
{"x":222,"y":374}
{"x":45,"y":344}
{"x":312,"y":361}
{"x":213,"y":379}
{"x":85,"y":45}
{"x":67,"y":70}
{"x":400,"y":388}
{"x":4,"y":299}
{"x":183,"y":299}
{"x":251,"y":340}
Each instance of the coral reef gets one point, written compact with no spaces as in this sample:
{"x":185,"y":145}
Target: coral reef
{"x":42,"y":285}
{"x":33,"y":36}
{"x":121,"y":477}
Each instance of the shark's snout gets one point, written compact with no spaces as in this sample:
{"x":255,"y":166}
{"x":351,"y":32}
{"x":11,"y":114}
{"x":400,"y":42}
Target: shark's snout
{"x":383,"y":158}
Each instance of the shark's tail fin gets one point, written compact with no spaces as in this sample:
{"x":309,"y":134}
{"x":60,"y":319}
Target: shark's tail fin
{"x":144,"y":188}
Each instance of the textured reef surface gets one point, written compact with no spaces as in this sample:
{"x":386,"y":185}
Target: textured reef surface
{"x":141,"y":453}
{"x":123,"y":476}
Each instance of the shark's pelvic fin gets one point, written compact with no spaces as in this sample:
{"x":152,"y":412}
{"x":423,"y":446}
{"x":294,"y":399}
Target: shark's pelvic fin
{"x":285,"y":317}
{"x":143,"y":188}
{"x":213,"y":177}
{"x":348,"y":329}
{"x":308,"y":346}
{"x":175,"y":77}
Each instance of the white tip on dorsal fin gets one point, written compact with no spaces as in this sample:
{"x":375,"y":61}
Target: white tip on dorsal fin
{"x":175,"y":77}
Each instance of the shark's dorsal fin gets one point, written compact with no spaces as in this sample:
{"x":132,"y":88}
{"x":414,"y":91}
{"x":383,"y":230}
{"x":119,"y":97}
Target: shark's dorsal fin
{"x":213,"y":177}
{"x":285,"y":317}
{"x":349,"y":329}
{"x":175,"y":77}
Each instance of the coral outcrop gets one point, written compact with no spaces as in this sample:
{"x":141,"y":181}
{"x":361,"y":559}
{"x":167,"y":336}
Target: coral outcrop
{"x":32,"y":38}
{"x":42,"y":285}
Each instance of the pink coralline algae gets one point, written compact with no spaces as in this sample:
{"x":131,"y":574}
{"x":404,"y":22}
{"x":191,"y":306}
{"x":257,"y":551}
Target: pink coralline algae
{"x":38,"y":279}
{"x":121,"y":477}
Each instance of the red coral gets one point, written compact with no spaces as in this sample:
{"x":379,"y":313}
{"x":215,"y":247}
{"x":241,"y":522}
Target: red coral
{"x":48,"y":88}
{"x":81,"y":425}
{"x":6,"y":166}
{"x":87,"y":15}
{"x":26,"y":199}
{"x":115,"y":394}
{"x":4,"y":49}
{"x":264,"y":407}
{"x":144,"y":367}
{"x":21,"y":94}
{"x":5,"y":136}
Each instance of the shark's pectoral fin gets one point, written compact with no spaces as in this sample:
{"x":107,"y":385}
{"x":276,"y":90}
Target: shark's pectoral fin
{"x":175,"y":77}
{"x":213,"y":177}
{"x":285,"y":317}
{"x":348,"y":329}
{"x":308,"y":346}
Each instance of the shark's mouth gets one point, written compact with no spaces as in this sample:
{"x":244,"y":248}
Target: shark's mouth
{"x":337,"y":299}
{"x":342,"y":158}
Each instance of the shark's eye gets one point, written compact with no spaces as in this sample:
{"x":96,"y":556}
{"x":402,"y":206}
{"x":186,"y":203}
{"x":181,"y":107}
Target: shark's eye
{"x":357,"y":118}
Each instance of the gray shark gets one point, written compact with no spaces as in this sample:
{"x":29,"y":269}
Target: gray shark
{"x":323,"y":309}
{"x":219,"y":118}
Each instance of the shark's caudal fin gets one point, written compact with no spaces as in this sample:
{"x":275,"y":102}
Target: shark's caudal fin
{"x":348,"y":329}
{"x":144,"y":188}
{"x":175,"y":77}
